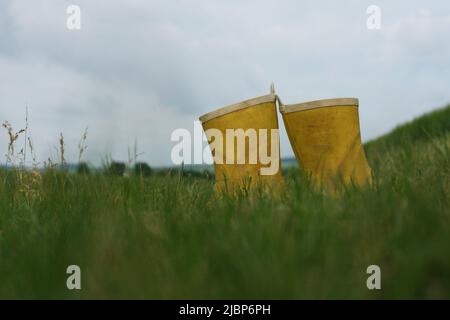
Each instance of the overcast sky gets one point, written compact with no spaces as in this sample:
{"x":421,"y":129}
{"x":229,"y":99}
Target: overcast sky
{"x":142,"y":68}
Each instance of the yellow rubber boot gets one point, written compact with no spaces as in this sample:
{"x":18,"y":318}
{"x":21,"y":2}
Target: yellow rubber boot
{"x":244,"y":141}
{"x":325,"y":137}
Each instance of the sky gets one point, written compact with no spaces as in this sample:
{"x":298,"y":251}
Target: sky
{"x":139,"y":69}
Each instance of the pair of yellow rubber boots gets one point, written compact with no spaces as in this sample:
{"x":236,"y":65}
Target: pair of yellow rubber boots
{"x":324,"y":135}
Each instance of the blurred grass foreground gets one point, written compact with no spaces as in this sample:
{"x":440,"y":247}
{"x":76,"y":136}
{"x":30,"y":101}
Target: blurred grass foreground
{"x":150,"y":236}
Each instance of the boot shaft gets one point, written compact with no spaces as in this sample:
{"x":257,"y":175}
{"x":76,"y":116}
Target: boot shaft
{"x":248,"y":153}
{"x":325,"y":137}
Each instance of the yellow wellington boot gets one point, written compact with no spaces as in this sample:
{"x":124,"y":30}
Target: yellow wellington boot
{"x":325,"y":136}
{"x":244,"y":141}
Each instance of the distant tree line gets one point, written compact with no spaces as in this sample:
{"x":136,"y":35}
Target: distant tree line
{"x":142,"y":169}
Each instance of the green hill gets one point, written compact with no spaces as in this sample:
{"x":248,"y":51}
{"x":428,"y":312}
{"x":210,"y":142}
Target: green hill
{"x":417,"y":152}
{"x":429,"y":126}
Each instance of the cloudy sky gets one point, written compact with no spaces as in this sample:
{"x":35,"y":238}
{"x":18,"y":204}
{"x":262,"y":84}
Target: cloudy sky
{"x":138,"y":69}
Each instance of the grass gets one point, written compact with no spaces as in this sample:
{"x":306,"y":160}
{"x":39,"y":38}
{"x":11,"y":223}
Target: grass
{"x":170,"y":238}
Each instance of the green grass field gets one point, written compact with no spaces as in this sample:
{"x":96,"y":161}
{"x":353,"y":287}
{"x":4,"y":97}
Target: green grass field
{"x":170,"y":238}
